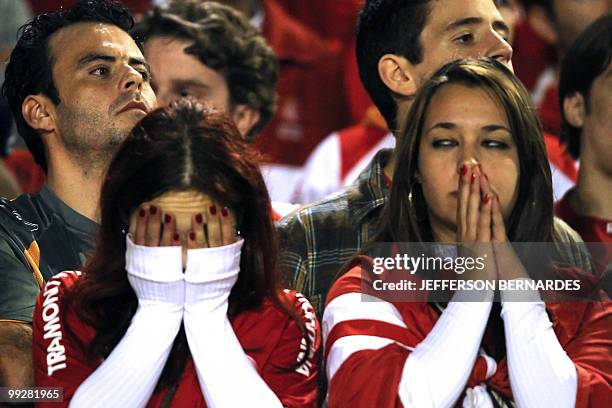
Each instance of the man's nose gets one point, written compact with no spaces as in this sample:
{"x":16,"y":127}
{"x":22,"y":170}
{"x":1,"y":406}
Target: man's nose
{"x":499,"y":49}
{"x":132,"y":81}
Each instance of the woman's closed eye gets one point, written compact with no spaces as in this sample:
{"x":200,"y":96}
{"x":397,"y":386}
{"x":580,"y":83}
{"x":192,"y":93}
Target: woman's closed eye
{"x":495,"y":144}
{"x":444,"y":143}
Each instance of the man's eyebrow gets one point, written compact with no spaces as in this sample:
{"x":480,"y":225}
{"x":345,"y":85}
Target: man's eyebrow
{"x":192,"y":82}
{"x":137,"y":61}
{"x":498,"y":25}
{"x":501,"y":27}
{"x":94,"y":56}
{"x":468,"y":21}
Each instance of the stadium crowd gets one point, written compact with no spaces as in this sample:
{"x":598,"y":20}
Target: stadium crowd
{"x":192,"y":193}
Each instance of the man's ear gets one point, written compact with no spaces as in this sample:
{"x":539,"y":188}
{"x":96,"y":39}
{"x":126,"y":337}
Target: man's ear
{"x":245,"y":117}
{"x":396,"y":74}
{"x":574,"y":109}
{"x":38,"y":112}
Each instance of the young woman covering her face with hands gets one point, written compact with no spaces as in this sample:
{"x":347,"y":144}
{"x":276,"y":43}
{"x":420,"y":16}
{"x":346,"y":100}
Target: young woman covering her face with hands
{"x":473,"y":171}
{"x":185,"y":309}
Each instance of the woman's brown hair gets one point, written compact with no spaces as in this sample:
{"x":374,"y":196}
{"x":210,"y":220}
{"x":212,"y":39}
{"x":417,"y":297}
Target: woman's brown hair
{"x":531,"y":219}
{"x":184,"y":146}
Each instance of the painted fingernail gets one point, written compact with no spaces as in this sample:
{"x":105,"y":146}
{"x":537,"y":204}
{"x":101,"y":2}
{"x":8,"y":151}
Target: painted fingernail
{"x":464,"y":169}
{"x":213,"y":209}
{"x":167,"y":218}
{"x":224,"y":212}
{"x":192,"y":236}
{"x":199,"y":218}
{"x":153,"y":210}
{"x":176,"y":236}
{"x":142,"y":213}
{"x":486,"y":198}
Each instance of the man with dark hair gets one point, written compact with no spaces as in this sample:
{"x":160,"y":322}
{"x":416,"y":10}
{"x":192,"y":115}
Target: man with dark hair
{"x":559,"y":22}
{"x":337,"y":161}
{"x":76,"y":83}
{"x":399,"y":45}
{"x":211,"y":52}
{"x":585,"y":96}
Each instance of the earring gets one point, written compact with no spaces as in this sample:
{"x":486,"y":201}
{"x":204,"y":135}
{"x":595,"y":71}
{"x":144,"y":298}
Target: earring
{"x":415,"y":204}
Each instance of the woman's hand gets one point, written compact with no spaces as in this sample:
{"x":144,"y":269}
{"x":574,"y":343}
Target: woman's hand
{"x":477,"y":218}
{"x":476,"y":202}
{"x":217,"y":227}
{"x":480,"y":222}
{"x":147,"y":228}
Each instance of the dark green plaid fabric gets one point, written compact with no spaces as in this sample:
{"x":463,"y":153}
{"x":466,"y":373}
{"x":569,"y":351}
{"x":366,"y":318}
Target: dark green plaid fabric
{"x":317,"y":239}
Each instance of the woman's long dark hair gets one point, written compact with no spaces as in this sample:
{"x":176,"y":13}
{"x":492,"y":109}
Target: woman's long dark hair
{"x":531,"y":220}
{"x":184,"y":146}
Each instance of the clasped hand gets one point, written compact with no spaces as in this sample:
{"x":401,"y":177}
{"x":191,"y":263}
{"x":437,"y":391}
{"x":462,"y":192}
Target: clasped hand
{"x":481,"y":230}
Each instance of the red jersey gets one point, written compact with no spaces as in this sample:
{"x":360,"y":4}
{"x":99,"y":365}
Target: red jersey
{"x":591,"y":229}
{"x":270,"y":337}
{"x":29,"y":175}
{"x":341,"y":157}
{"x":564,"y":169}
{"x":532,"y":55}
{"x":367,"y":371}
{"x":311,"y":99}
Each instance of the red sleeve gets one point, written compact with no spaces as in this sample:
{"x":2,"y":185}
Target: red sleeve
{"x":58,"y":361}
{"x":360,"y":381}
{"x":590,"y":348}
{"x":375,"y":345}
{"x":296,"y":386}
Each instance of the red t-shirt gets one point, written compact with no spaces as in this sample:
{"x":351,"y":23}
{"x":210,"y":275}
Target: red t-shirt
{"x":271,"y":338}
{"x":591,"y":229}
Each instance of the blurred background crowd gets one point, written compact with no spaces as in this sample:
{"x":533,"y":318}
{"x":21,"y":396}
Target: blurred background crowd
{"x":325,"y":128}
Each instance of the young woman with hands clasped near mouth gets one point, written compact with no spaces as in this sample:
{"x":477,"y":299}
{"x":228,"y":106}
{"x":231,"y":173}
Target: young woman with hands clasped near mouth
{"x":471,"y":171}
{"x":180,"y":304}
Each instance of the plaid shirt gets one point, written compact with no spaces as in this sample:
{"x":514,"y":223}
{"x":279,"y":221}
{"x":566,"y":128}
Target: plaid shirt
{"x":318,"y":239}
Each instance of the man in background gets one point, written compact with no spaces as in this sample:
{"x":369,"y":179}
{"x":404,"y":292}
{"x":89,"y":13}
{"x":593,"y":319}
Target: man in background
{"x":585,"y":95}
{"x":76,"y":84}
{"x":399,"y":45}
{"x":210,"y":52}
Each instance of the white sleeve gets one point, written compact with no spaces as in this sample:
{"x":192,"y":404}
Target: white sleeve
{"x":436,"y":372}
{"x":321,"y":174}
{"x":541,"y":373}
{"x":130,"y":373}
{"x":220,"y":361}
